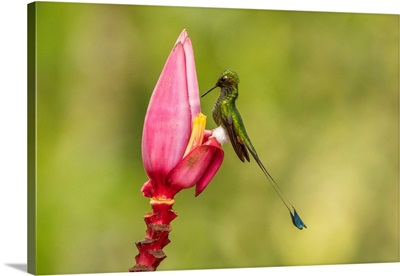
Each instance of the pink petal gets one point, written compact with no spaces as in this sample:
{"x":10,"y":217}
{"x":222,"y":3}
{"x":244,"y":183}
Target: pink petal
{"x":148,"y":188}
{"x":191,"y":168}
{"x":182,"y":36}
{"x":168,"y":119}
{"x":207,"y":134}
{"x":193,"y":88}
{"x":213,"y":166}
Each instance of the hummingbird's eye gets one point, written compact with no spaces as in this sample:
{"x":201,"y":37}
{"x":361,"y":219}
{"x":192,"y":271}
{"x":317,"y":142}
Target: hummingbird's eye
{"x":224,"y":78}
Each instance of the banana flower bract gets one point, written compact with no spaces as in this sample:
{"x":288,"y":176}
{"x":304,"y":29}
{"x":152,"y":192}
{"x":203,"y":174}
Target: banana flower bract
{"x":177,"y":152}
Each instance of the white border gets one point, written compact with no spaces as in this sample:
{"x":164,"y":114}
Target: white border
{"x":13,"y":128}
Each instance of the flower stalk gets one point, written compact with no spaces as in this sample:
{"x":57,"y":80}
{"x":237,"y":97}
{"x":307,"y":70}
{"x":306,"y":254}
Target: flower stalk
{"x":158,"y":228}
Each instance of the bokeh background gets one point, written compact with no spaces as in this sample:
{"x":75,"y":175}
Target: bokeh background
{"x":319,"y":97}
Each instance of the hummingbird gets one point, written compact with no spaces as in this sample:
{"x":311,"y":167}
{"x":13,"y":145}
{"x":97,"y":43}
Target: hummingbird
{"x":227,"y":116}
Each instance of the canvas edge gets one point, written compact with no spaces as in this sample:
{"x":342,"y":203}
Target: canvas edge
{"x":31,"y":125}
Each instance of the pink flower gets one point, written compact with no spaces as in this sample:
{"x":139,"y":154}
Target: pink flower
{"x":175,"y":153}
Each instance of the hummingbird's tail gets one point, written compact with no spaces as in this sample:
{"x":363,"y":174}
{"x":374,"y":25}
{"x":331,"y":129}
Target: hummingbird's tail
{"x":294,"y":216}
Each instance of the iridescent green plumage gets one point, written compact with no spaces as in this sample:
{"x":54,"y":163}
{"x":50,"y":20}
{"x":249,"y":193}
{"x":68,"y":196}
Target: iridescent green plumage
{"x":225,"y":114}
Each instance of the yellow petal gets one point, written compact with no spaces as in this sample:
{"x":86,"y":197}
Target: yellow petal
{"x":196,"y":138}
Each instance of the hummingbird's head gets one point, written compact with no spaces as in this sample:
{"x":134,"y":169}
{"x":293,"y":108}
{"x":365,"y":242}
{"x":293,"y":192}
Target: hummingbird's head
{"x":228,"y":78}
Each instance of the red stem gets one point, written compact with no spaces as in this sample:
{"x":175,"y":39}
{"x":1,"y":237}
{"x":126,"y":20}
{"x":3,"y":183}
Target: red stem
{"x":158,"y":228}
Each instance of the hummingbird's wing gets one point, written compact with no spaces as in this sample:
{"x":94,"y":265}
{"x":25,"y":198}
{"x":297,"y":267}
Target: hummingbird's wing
{"x":237,"y":143}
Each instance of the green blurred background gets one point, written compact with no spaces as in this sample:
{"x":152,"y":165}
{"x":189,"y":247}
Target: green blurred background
{"x":319,"y":97}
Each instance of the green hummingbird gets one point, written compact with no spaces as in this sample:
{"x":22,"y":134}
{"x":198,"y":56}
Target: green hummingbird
{"x":226,"y":115}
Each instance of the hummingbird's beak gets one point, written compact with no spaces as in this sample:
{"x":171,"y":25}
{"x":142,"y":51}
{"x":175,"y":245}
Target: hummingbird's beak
{"x":209,"y":91}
